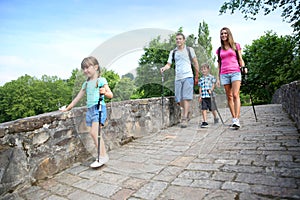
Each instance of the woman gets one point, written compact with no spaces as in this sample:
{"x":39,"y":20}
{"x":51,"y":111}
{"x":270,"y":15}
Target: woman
{"x":229,"y":62}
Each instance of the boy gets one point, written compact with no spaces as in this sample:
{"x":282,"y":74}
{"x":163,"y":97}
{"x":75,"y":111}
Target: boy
{"x":206,"y":87}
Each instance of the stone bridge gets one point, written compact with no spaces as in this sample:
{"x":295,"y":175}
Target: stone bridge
{"x":47,"y":156}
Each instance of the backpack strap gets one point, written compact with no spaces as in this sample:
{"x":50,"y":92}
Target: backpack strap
{"x":173,"y":56}
{"x":219,"y":56}
{"x":191,"y":59}
{"x":189,"y":53}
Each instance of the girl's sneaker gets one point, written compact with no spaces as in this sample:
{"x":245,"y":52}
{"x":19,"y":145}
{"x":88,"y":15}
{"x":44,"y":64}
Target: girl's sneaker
{"x":102,"y":161}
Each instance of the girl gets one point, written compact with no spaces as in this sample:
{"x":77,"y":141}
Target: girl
{"x":94,"y":86}
{"x":229,"y":62}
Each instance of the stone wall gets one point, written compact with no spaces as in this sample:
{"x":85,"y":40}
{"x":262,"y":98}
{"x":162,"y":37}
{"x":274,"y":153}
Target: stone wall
{"x":38,"y":147}
{"x":289,"y":96}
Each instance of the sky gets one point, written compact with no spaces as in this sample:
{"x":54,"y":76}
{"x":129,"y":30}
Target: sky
{"x":52,"y":37}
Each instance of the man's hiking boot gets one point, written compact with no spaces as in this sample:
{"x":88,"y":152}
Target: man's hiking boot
{"x":183,"y":123}
{"x":216,"y":120}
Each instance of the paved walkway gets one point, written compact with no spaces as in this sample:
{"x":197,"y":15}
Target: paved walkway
{"x":259,"y":161}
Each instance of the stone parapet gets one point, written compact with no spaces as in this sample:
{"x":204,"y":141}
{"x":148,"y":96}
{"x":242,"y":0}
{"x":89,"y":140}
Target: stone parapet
{"x":38,"y":147}
{"x":289,"y":96}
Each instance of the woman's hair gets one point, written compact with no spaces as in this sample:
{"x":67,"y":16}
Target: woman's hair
{"x":90,"y":61}
{"x":229,"y":38}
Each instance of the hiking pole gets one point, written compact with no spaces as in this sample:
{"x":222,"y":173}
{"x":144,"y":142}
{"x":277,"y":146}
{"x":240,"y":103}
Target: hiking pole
{"x":250,"y":97}
{"x":162,"y":98}
{"x":215,"y":104}
{"x":253,"y":107}
{"x":99,"y":127}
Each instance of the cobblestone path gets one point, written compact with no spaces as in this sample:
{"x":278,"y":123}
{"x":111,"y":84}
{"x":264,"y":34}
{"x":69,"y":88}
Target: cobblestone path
{"x":261,"y":160}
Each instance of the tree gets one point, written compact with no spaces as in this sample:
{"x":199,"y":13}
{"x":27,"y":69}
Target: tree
{"x":272,"y":63}
{"x":149,"y":80}
{"x":112,"y":79}
{"x":28,"y":96}
{"x":250,"y":8}
{"x":129,"y":75}
{"x":124,"y":89}
{"x":204,"y":50}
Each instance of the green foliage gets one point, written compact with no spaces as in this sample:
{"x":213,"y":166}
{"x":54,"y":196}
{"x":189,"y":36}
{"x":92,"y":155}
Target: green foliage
{"x":250,"y":8}
{"x":124,"y":89}
{"x":76,"y":81}
{"x":28,"y":96}
{"x":204,"y":47}
{"x":149,"y":79}
{"x":112,"y":77}
{"x":272,"y":62}
{"x":129,"y":75}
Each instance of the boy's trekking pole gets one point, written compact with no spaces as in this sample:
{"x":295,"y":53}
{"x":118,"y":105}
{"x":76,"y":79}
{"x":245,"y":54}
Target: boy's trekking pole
{"x":162,"y":98}
{"x":215,"y":104}
{"x":250,"y":96}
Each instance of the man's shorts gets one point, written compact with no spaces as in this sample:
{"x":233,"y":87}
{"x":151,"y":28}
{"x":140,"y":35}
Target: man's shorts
{"x":207,"y":104}
{"x":231,"y":77}
{"x":92,"y":115}
{"x":184,"y":89}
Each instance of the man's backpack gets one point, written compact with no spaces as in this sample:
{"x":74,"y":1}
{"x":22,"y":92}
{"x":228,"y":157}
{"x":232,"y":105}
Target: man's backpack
{"x":190,"y":56}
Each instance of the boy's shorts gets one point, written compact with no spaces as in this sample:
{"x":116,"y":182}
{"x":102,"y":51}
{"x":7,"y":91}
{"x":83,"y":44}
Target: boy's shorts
{"x":231,"y":77}
{"x":184,"y":89}
{"x":92,"y":115}
{"x":207,"y":104}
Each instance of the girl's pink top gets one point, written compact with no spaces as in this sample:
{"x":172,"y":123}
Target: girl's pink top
{"x":229,"y":62}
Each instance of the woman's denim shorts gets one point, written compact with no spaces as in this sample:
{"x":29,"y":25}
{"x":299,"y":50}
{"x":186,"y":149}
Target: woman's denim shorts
{"x":231,"y":77}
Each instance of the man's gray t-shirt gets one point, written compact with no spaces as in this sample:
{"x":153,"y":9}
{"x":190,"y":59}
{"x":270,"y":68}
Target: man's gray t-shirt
{"x":183,"y":67}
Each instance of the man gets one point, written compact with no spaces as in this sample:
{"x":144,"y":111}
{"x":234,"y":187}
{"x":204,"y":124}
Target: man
{"x":184,"y":83}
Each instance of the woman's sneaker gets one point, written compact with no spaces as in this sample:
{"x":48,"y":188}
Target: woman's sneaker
{"x":235,"y":123}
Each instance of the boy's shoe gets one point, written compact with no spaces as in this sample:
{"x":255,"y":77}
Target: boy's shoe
{"x":102,"y":161}
{"x":216,"y":120}
{"x":204,"y":125}
{"x":183,"y":123}
{"x":235,"y":123}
